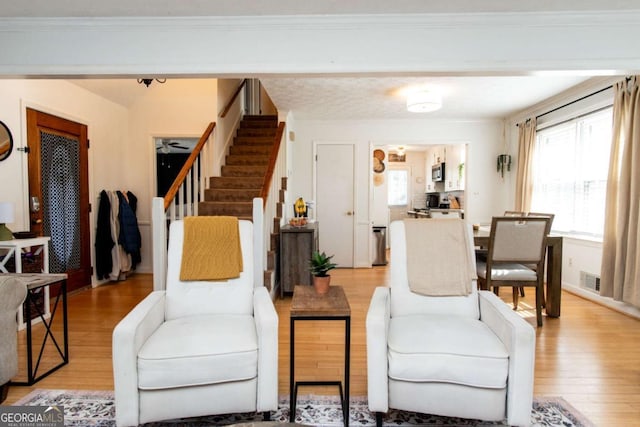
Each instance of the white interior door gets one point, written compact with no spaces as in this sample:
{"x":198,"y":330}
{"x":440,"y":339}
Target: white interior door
{"x":335,"y":201}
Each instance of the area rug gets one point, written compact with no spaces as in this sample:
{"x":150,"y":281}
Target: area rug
{"x":97,"y":409}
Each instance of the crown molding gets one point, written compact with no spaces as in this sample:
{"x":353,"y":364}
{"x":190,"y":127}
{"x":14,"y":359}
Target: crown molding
{"x":563,"y":19}
{"x":478,"y":43}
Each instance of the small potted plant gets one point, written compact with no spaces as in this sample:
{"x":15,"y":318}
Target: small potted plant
{"x":319,"y":265}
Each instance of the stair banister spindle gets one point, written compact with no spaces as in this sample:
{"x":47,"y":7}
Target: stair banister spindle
{"x":198,"y":184}
{"x":172,"y":211}
{"x":180,"y":202}
{"x":189,"y":194}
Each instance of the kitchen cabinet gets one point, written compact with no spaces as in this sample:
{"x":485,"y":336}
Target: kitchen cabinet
{"x":454,"y":179}
{"x":297,"y":244}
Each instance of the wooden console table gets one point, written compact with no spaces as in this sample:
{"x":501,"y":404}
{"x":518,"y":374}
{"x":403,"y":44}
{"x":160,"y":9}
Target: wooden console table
{"x":297,"y":244}
{"x":308,"y":305}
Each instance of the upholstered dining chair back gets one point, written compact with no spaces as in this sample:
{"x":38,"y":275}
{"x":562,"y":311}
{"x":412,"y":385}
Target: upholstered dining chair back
{"x":192,"y":298}
{"x":544,"y":215}
{"x":406,"y":302}
{"x":518,"y":239}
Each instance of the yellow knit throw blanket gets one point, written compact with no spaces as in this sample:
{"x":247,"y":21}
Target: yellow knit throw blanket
{"x":438,"y":258}
{"x":211,"y":248}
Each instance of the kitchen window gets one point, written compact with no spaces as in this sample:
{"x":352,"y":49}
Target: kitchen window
{"x":398,"y":187}
{"x":570,"y":168}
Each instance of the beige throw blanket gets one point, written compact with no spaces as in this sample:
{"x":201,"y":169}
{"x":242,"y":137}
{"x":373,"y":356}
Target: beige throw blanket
{"x":438,"y":258}
{"x":211,"y":248}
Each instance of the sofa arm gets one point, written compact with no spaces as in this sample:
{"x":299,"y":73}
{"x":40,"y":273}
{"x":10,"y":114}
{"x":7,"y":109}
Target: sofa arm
{"x":266,"y":320}
{"x":377,"y":325}
{"x":128,"y":337}
{"x":519,"y":338}
{"x":12,"y":295}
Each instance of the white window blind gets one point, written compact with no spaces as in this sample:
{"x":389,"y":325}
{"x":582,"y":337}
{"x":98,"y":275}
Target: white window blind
{"x":398,"y":187}
{"x":570,"y":170}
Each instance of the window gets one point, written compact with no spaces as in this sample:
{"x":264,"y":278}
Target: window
{"x":570,"y":168}
{"x":398,"y":188}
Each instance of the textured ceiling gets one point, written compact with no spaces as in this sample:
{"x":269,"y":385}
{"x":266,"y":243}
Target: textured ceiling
{"x":335,"y":98}
{"x":384,"y":97}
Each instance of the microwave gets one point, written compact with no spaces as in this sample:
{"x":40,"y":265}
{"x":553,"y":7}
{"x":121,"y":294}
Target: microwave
{"x":437,"y":172}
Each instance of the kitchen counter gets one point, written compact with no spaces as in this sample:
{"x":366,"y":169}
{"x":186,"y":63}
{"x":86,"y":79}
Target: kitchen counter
{"x":425,"y":213}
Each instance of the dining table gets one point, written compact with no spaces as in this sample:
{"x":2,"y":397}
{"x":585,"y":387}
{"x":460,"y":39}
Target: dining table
{"x":553,"y":268}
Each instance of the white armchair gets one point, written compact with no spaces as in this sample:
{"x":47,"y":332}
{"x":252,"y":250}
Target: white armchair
{"x":464,"y":356}
{"x":198,"y":348}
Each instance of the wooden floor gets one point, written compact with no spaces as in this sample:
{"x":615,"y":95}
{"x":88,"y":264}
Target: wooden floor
{"x":590,"y":356}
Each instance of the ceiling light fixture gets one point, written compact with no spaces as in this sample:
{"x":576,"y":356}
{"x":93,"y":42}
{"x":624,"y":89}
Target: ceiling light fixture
{"x":423,"y":101}
{"x":147,"y":82}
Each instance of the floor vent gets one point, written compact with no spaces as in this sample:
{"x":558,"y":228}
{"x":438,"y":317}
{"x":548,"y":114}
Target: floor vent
{"x":590,"y":281}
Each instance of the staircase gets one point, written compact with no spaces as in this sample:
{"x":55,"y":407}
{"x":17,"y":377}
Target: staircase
{"x":242,"y":178}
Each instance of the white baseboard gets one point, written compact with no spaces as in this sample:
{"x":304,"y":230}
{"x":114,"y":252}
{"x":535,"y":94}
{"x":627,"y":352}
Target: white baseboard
{"x":618,"y":306}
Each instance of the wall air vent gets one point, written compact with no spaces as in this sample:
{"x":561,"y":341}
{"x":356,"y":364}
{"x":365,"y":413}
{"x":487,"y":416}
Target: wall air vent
{"x":590,"y":281}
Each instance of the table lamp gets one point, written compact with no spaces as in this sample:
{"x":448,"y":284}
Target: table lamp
{"x":6,"y":215}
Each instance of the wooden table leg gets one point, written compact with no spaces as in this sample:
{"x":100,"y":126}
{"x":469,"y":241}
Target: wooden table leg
{"x":554,"y":277}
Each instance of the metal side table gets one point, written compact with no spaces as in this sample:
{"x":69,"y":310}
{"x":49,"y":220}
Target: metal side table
{"x":34,"y":283}
{"x":307,"y":305}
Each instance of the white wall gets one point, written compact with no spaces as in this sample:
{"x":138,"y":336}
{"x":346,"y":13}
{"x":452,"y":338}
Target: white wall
{"x":486,"y":193}
{"x":122,"y":153}
{"x":180,"y":107}
{"x":107,"y":124}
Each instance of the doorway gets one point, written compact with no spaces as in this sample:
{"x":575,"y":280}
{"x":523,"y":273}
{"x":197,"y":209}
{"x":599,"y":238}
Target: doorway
{"x":335,"y":201}
{"x":171,"y":154}
{"x":59,"y":193}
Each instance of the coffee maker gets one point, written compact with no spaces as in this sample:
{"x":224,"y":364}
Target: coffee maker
{"x":433,"y":200}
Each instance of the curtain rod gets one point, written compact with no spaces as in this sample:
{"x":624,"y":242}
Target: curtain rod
{"x":575,"y":100}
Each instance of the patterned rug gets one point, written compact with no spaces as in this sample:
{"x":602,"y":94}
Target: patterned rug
{"x":97,"y":409}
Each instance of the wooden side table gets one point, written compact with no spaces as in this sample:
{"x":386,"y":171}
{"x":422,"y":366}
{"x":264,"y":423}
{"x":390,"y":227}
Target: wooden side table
{"x":34,"y":283}
{"x":308,"y":305}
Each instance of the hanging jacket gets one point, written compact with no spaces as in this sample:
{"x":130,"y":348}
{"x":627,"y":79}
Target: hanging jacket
{"x":129,"y":236}
{"x":104,"y":243}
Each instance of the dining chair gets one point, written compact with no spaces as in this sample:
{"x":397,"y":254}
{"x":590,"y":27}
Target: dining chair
{"x":515,"y":243}
{"x":481,"y":253}
{"x":519,"y":213}
{"x":550,"y":216}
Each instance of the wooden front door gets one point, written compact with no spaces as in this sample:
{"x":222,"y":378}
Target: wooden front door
{"x":59,"y":184}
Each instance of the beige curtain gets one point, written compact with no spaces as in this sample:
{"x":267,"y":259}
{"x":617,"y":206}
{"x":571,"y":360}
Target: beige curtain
{"x":620,"y":273}
{"x":524,"y":178}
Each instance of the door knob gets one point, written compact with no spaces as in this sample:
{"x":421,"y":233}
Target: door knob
{"x":349,"y":213}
